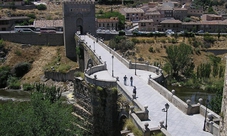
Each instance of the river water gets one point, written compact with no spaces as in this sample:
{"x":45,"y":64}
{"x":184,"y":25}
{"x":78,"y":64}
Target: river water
{"x":14,"y":95}
{"x":191,"y":94}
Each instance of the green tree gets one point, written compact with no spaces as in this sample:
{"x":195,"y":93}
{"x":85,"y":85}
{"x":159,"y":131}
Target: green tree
{"x":41,"y":7}
{"x":179,"y":58}
{"x":38,"y":117}
{"x":4,"y":74}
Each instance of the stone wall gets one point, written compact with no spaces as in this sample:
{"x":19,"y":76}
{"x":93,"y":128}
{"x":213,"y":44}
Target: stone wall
{"x":78,"y":16}
{"x":99,"y":108}
{"x":57,"y":76}
{"x":34,"y":38}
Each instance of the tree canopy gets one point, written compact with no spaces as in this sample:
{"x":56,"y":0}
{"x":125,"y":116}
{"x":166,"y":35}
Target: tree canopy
{"x":40,"y":116}
{"x":179,"y":58}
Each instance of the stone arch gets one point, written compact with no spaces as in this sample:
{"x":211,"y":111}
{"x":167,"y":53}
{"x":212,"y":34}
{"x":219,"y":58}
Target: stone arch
{"x":122,"y":117}
{"x":90,"y":63}
{"x":79,"y":26}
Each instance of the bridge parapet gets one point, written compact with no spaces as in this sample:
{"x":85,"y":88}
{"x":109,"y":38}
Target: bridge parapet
{"x":212,"y":123}
{"x":129,"y":64}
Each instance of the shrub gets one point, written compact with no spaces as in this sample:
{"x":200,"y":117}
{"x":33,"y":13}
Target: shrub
{"x":209,"y":39}
{"x":32,"y":16}
{"x":28,"y":87}
{"x":150,"y":41}
{"x":163,"y":41}
{"x":121,"y":33}
{"x":135,"y":40}
{"x":4,"y":74}
{"x":64,"y":68}
{"x":20,"y":69}
{"x":41,"y":7}
{"x":151,"y":49}
{"x":13,"y":83}
{"x":17,"y":52}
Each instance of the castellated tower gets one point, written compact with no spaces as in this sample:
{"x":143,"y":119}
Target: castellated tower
{"x":79,"y":17}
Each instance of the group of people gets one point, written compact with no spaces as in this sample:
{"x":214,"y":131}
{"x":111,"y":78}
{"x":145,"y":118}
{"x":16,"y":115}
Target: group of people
{"x":131,"y":83}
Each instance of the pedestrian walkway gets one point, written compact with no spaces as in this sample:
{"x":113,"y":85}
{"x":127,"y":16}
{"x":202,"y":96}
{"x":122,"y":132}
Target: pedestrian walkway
{"x":179,"y":124}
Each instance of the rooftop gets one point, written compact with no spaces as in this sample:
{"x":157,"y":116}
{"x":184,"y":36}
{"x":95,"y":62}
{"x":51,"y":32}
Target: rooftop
{"x":133,"y":10}
{"x":48,"y":23}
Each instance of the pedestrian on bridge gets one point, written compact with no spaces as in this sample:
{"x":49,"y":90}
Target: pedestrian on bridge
{"x":125,"y":79}
{"x":134,"y":90}
{"x":131,"y":80}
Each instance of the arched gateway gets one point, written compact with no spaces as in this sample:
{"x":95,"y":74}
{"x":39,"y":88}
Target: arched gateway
{"x":79,"y":17}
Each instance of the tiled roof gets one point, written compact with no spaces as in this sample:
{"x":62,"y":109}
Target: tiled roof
{"x":106,"y":20}
{"x":144,"y":21}
{"x":48,"y":23}
{"x":216,"y":22}
{"x":170,"y":21}
{"x":133,"y":10}
{"x":179,"y":9}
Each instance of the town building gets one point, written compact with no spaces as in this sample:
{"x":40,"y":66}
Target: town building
{"x":132,"y":14}
{"x":146,"y":25}
{"x":107,"y":24}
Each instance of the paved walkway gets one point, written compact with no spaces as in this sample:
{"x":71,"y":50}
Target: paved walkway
{"x":179,"y":124}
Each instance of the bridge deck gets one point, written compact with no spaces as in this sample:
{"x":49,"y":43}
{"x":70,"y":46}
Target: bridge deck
{"x":179,"y":124}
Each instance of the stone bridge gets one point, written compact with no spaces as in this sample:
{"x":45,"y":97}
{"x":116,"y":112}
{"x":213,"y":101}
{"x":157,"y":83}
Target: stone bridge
{"x":105,"y":67}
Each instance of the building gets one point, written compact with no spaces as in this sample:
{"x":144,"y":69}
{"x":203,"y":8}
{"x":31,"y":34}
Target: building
{"x":58,"y":24}
{"x":154,"y":14}
{"x":175,"y":25}
{"x":195,"y":12}
{"x":132,"y":14}
{"x":180,"y":13}
{"x":8,"y":23}
{"x":107,"y":24}
{"x":146,"y":25}
{"x":166,"y":11}
{"x":12,"y":2}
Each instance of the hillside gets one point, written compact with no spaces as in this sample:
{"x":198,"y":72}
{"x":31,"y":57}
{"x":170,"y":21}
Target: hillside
{"x":41,"y":58}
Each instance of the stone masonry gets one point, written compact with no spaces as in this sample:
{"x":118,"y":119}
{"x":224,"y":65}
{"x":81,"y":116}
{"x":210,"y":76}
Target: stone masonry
{"x":79,"y":16}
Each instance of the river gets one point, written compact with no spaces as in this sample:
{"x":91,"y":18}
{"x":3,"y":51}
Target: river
{"x":192,"y":94}
{"x":14,"y":95}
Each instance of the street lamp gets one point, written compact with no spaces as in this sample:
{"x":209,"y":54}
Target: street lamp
{"x":135,"y":65}
{"x":94,"y":46}
{"x":112,"y":66}
{"x":204,"y":126}
{"x":166,"y":111}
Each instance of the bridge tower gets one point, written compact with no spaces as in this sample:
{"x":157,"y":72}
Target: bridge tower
{"x":79,"y":17}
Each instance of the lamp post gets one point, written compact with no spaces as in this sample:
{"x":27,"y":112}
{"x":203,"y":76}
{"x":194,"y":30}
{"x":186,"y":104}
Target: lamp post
{"x":166,"y":111}
{"x":94,"y":46}
{"x":112,"y":66}
{"x":135,"y":65}
{"x":204,"y":126}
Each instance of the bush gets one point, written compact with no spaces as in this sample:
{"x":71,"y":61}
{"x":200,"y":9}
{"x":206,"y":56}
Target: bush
{"x":4,"y":74}
{"x":17,"y":52}
{"x":135,"y":40}
{"x":41,"y":7}
{"x":121,"y":33}
{"x":28,"y":87}
{"x":151,"y":49}
{"x":20,"y":69}
{"x":13,"y":83}
{"x":209,"y":39}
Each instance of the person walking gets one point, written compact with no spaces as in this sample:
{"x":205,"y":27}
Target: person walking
{"x":131,"y":80}
{"x":125,"y":79}
{"x":134,"y":90}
